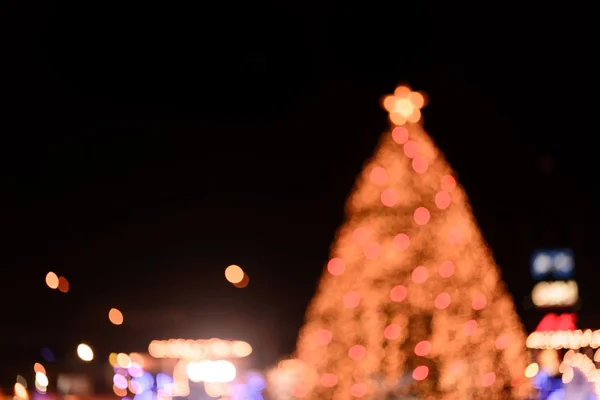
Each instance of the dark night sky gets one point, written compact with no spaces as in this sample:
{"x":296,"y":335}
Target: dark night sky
{"x":146,"y":147}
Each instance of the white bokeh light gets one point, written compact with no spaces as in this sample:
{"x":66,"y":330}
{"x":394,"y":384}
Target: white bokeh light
{"x":211,"y":371}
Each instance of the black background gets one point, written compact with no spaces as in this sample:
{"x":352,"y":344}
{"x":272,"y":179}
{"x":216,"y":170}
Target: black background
{"x":146,"y":146}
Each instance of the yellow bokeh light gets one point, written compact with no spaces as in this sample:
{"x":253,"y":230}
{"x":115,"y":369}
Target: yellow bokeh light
{"x":234,"y":274}
{"x":85,"y":352}
{"x":123,"y":360}
{"x":115,"y":316}
{"x":532,"y":370}
{"x":112,"y":359}
{"x":20,"y":391}
{"x":52,"y":280}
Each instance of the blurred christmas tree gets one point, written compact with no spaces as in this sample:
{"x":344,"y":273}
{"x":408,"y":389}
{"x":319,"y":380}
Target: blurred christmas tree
{"x":411,"y":288}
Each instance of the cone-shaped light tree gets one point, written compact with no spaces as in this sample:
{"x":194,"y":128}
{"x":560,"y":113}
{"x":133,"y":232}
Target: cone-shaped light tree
{"x":411,"y":304}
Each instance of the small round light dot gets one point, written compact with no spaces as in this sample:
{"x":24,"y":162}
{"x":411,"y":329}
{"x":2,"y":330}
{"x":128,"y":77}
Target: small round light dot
{"x":488,"y":379}
{"x":323,"y":337}
{"x":336,"y":266}
{"x":401,"y":241}
{"x":378,"y":176}
{"x":420,"y":373}
{"x":442,"y":301}
{"x":479,"y":302}
{"x":357,"y":352}
{"x":470,"y":327}
{"x":420,"y":164}
{"x":411,"y":149}
{"x":329,"y":380}
{"x":443,"y":200}
{"x":398,"y":293}
{"x":351,"y":299}
{"x":358,"y":390}
{"x":447,"y":269}
{"x":422,"y":216}
{"x":400,"y":135}
{"x":389,"y":197}
{"x":422,"y":348}
{"x":392,"y":331}
{"x":372,"y":250}
{"x":420,"y":274}
{"x":360,"y":236}
{"x":448,"y":183}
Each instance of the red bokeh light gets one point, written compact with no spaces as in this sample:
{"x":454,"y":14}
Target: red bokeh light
{"x":411,"y":149}
{"x":389,"y":197}
{"x":372,"y":250}
{"x":442,"y":301}
{"x":392,"y":331}
{"x":447,"y":269}
{"x":357,"y":352}
{"x":420,"y":373}
{"x":336,"y":266}
{"x":422,"y":216}
{"x":422,"y":348}
{"x":442,"y":200}
{"x":323,"y":337}
{"x":401,"y":241}
{"x":400,"y":135}
{"x":420,"y":274}
{"x":398,"y":293}
{"x":420,"y":164}
{"x":378,"y":176}
{"x":351,"y":299}
{"x":448,"y":183}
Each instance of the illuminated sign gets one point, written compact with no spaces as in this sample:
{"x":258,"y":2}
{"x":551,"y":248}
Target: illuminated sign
{"x":559,"y":264}
{"x":555,"y":294}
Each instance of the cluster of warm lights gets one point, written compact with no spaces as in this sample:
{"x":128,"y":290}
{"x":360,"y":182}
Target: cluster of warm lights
{"x":555,"y":294}
{"x":195,"y":350}
{"x":564,"y":339}
{"x":236,"y":276}
{"x":409,"y":274}
{"x":57,"y":282}
{"x":584,"y":364}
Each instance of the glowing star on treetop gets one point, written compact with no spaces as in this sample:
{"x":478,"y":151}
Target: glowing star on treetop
{"x":411,"y":295}
{"x":404,"y":106}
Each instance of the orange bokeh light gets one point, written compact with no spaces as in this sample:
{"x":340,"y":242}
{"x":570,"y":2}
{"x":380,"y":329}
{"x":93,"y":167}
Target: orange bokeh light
{"x":63,"y":284}
{"x":234,"y":274}
{"x":37,"y":367}
{"x":52,"y":280}
{"x":115,"y":316}
{"x":243,"y":283}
